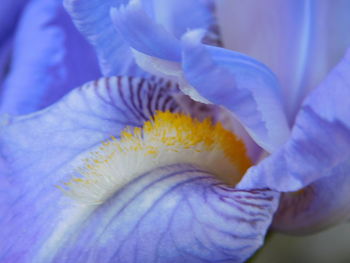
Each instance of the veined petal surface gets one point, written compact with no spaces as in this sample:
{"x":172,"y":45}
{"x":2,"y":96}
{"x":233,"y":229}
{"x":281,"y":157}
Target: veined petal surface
{"x":40,"y":150}
{"x":49,"y":59}
{"x":197,"y":218}
{"x":320,"y":139}
{"x":301,"y":41}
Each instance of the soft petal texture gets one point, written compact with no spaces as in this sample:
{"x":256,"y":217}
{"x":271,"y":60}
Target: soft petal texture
{"x":197,"y":218}
{"x":301,"y":41}
{"x":320,"y":140}
{"x":144,"y":34}
{"x":9,"y":13}
{"x":5,"y":60}
{"x":241,"y":84}
{"x":172,"y":214}
{"x":49,"y":59}
{"x":40,"y":150}
{"x":204,"y":66}
{"x":320,"y":205}
{"x":93,"y":20}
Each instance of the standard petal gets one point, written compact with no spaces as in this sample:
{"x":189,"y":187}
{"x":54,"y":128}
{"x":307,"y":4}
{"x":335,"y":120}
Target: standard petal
{"x":50,"y":58}
{"x":241,"y":84}
{"x":176,"y":213}
{"x":320,"y":205}
{"x":301,"y":41}
{"x":320,"y":140}
{"x":93,"y":20}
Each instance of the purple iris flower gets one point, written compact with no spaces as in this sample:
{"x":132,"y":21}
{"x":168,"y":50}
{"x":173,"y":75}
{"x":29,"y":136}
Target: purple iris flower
{"x":181,"y":151}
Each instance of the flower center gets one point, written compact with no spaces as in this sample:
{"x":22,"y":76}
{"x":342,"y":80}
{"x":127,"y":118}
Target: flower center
{"x":169,"y":138}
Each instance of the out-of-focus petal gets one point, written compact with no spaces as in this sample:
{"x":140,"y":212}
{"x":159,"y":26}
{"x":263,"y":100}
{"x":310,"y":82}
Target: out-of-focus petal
{"x":5,"y":60}
{"x":197,"y":218}
{"x":320,"y":140}
{"x":9,"y":13}
{"x":49,"y":58}
{"x":319,"y":205}
{"x":241,"y":84}
{"x":301,"y":41}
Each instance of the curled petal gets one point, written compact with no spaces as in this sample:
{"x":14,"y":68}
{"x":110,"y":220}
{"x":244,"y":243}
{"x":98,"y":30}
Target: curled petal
{"x":144,"y":34}
{"x":176,"y":213}
{"x":50,"y":58}
{"x":241,"y":84}
{"x":317,"y":206}
{"x":320,"y":140}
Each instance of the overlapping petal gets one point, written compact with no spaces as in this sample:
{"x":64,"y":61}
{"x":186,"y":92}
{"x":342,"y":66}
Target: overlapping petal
{"x":219,"y":76}
{"x":197,"y":218}
{"x":49,"y":59}
{"x":301,"y":41}
{"x":320,"y":205}
{"x":241,"y":84}
{"x":320,"y":139}
{"x":93,"y":19}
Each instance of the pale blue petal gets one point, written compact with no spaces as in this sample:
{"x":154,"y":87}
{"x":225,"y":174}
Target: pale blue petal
{"x":320,"y":205}
{"x":174,"y":214}
{"x":241,"y":84}
{"x":197,"y":218}
{"x":39,"y":150}
{"x":49,"y":59}
{"x":320,"y":140}
{"x":144,"y":34}
{"x":93,"y":20}
{"x":301,"y":41}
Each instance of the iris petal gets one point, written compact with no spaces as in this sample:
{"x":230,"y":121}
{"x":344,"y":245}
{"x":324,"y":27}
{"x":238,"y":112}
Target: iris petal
{"x":93,"y":21}
{"x":317,"y":206}
{"x":173,"y":214}
{"x":50,"y":58}
{"x":301,"y":41}
{"x":320,"y":140}
{"x":198,"y":218}
{"x":60,"y":136}
{"x":241,"y":84}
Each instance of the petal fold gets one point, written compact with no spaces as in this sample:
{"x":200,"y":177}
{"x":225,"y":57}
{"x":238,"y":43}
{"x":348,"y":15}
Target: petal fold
{"x":320,"y":139}
{"x":318,"y":206}
{"x":242,"y":85}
